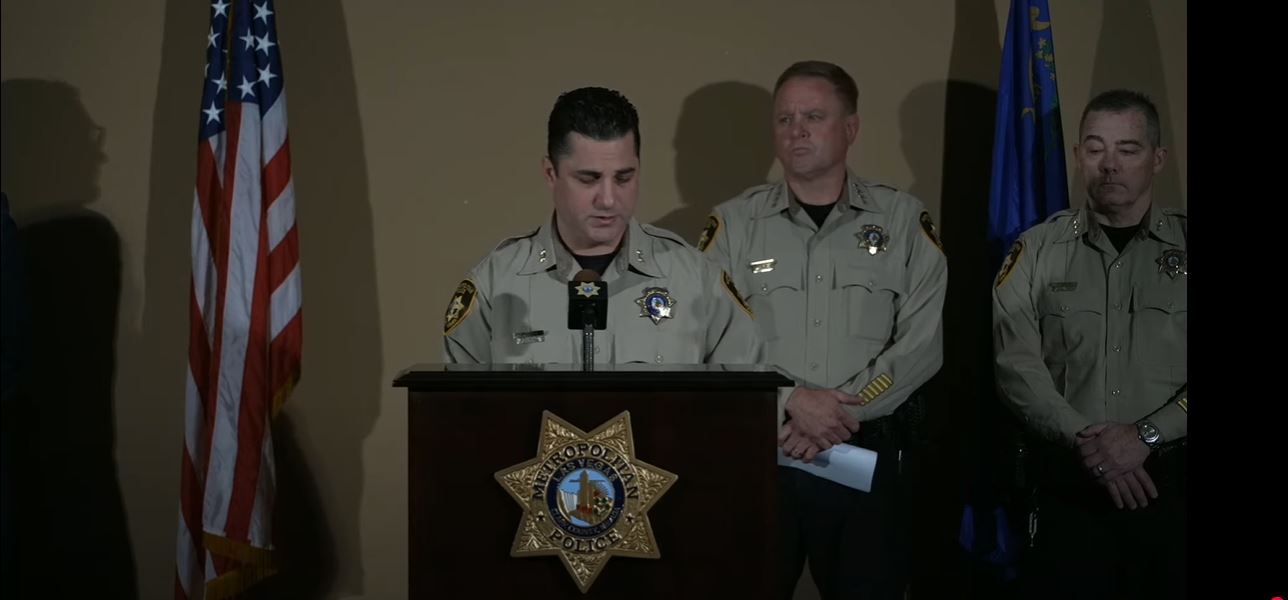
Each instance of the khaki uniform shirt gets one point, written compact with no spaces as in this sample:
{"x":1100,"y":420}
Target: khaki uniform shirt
{"x":513,"y":307}
{"x":1084,"y":334}
{"x":854,"y":305}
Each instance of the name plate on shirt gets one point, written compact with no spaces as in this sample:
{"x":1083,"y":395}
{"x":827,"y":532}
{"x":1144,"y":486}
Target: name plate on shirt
{"x":762,"y":266}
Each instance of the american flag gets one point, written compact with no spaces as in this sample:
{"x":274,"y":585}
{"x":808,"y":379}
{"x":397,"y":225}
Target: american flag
{"x":245,"y":335}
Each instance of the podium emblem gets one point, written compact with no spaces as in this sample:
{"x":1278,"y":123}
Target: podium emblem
{"x":585,"y":497}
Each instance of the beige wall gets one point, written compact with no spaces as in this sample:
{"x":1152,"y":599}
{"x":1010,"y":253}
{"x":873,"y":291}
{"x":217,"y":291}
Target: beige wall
{"x":417,"y":130}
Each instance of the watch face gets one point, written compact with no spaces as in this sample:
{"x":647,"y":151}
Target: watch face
{"x":1149,"y":433}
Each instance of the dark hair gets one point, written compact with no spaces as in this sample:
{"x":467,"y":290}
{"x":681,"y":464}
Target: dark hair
{"x":840,"y":80}
{"x":1118,"y":101}
{"x":597,"y":113}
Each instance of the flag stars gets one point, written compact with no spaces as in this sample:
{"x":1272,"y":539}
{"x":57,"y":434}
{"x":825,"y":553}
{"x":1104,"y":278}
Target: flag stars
{"x":262,"y":12}
{"x":264,"y":43}
{"x":249,"y":39}
{"x":211,"y":37}
{"x":212,"y":113}
{"x":219,"y":8}
{"x":247,"y":88}
{"x":266,"y":75}
{"x":221,"y":83}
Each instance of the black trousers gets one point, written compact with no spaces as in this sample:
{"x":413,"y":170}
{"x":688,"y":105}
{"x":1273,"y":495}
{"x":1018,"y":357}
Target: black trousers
{"x":1085,"y":547}
{"x":853,"y":540}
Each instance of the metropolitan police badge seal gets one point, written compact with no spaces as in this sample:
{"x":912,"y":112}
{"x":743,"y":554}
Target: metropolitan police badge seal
{"x":1173,"y":263}
{"x":873,"y":238}
{"x":585,"y":497}
{"x":656,"y":304}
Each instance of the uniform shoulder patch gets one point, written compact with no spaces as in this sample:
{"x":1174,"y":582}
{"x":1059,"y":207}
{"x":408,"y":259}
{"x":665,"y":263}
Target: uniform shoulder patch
{"x":733,"y":291}
{"x":1008,"y":265}
{"x":461,"y":305}
{"x":928,"y":227}
{"x":709,"y":232}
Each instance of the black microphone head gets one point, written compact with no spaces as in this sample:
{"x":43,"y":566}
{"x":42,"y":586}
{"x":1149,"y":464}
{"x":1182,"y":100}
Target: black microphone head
{"x":587,"y":300}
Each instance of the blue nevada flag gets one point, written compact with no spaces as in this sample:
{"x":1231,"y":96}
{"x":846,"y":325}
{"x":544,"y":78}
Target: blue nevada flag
{"x":1029,"y":181}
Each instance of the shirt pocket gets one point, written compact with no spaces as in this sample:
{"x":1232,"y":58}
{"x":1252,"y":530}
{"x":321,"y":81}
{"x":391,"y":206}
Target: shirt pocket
{"x":866,"y":297}
{"x":1159,"y":316}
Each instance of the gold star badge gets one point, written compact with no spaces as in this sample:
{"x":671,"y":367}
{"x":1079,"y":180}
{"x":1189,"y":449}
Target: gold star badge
{"x":1173,"y":262}
{"x":588,"y":289}
{"x":656,"y":304}
{"x":585,"y":497}
{"x":873,"y":238}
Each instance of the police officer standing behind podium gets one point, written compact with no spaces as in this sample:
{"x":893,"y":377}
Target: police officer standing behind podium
{"x":1089,"y":316}
{"x":847,"y":279}
{"x":665,"y":302}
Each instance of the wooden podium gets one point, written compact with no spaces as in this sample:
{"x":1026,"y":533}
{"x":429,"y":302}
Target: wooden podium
{"x":711,"y":425}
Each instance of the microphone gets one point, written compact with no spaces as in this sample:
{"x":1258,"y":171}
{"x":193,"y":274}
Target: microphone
{"x":587,"y":311}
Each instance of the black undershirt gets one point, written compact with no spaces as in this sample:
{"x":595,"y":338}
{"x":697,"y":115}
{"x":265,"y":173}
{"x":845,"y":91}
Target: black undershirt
{"x":1119,"y":236}
{"x":598,"y":263}
{"x":818,"y":212}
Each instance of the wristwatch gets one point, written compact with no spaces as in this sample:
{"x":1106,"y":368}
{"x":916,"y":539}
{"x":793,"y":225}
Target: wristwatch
{"x":1149,"y":434}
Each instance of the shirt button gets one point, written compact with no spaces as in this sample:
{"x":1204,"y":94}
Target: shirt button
{"x":1064,"y":308}
{"x":1118,"y":306}
{"x":764,"y":287}
{"x":1118,"y":265}
{"x":1116,"y":392}
{"x":817,"y":322}
{"x":597,"y":349}
{"x":813,"y":366}
{"x":658,"y":359}
{"x":818,"y":277}
{"x":1118,"y":348}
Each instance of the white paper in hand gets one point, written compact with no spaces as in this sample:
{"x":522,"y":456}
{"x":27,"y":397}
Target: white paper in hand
{"x":850,"y":466}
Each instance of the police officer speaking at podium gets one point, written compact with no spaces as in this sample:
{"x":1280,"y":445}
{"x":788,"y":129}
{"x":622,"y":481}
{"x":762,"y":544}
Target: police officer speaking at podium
{"x":661,"y":301}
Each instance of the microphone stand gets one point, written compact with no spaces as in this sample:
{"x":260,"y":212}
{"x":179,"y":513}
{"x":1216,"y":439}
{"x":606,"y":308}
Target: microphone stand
{"x":588,"y":337}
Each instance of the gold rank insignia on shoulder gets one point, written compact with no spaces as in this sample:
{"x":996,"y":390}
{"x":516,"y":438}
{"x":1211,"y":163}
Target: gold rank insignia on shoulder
{"x":709,"y":232}
{"x":588,"y":289}
{"x":873,"y":238}
{"x":656,"y":304}
{"x":460,"y":306}
{"x":585,"y":497}
{"x":1172,"y":262}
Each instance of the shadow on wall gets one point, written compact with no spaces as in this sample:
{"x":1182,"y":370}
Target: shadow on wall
{"x":61,"y":426}
{"x":1128,"y":55}
{"x":723,"y":145}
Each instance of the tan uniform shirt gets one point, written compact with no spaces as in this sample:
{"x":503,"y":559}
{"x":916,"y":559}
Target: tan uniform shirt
{"x":1084,"y":334}
{"x":854,"y":305}
{"x":513,"y":307}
